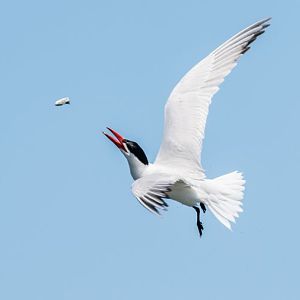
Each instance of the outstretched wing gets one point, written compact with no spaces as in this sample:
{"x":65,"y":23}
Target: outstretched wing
{"x":150,"y":191}
{"x":187,"y":107}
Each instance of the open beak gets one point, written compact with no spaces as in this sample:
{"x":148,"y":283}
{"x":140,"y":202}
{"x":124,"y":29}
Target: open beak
{"x":118,"y":141}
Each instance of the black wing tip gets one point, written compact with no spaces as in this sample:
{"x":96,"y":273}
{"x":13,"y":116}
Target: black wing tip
{"x":245,"y":50}
{"x":153,"y":207}
{"x":266,"y":25}
{"x":153,"y":199}
{"x":263,"y":23}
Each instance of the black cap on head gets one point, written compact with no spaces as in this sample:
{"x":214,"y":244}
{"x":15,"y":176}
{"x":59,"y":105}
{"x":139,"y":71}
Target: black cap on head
{"x":134,"y":148}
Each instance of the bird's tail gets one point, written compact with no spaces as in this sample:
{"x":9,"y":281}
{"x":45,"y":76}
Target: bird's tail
{"x":224,"y":197}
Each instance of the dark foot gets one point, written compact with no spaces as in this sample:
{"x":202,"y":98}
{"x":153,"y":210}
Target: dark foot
{"x":199,"y":224}
{"x":200,"y":227}
{"x":203,"y":207}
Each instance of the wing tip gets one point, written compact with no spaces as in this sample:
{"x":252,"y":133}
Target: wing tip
{"x":151,"y":208}
{"x":263,"y":24}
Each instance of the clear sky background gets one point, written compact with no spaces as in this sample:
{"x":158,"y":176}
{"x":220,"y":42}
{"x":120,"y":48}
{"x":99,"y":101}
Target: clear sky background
{"x":69,"y":226}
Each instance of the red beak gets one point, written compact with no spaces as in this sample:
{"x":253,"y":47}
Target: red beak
{"x":118,"y":141}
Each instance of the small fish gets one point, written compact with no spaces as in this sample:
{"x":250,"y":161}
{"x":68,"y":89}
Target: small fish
{"x":62,"y":101}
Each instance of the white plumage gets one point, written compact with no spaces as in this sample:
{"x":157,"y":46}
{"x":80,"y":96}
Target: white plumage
{"x":177,"y":172}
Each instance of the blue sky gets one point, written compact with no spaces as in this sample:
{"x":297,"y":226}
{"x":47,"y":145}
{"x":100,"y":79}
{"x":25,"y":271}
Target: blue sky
{"x":69,"y":226}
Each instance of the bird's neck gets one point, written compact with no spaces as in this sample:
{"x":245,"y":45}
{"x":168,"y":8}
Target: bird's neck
{"x":137,"y":168}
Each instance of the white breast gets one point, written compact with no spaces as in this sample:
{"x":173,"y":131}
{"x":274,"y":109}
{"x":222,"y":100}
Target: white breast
{"x":184,"y":194}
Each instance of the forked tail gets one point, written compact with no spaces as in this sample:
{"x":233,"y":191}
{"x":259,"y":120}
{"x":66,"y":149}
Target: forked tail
{"x":224,"y":197}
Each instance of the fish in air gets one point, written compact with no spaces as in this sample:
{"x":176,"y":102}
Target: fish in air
{"x":62,"y":101}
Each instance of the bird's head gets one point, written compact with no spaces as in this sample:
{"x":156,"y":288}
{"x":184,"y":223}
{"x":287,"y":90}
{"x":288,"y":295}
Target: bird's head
{"x":134,"y":154}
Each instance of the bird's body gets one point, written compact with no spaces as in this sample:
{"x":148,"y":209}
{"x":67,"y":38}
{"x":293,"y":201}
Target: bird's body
{"x":177,"y":172}
{"x":222,"y":195}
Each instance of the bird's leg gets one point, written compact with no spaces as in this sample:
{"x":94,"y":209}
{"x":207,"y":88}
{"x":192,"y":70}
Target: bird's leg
{"x":199,"y":224}
{"x":203,"y":207}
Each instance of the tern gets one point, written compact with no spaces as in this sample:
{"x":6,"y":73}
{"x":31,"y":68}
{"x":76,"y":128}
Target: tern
{"x":177,"y":172}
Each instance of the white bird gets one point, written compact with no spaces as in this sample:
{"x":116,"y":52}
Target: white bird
{"x":62,"y":101}
{"x":177,"y":172}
